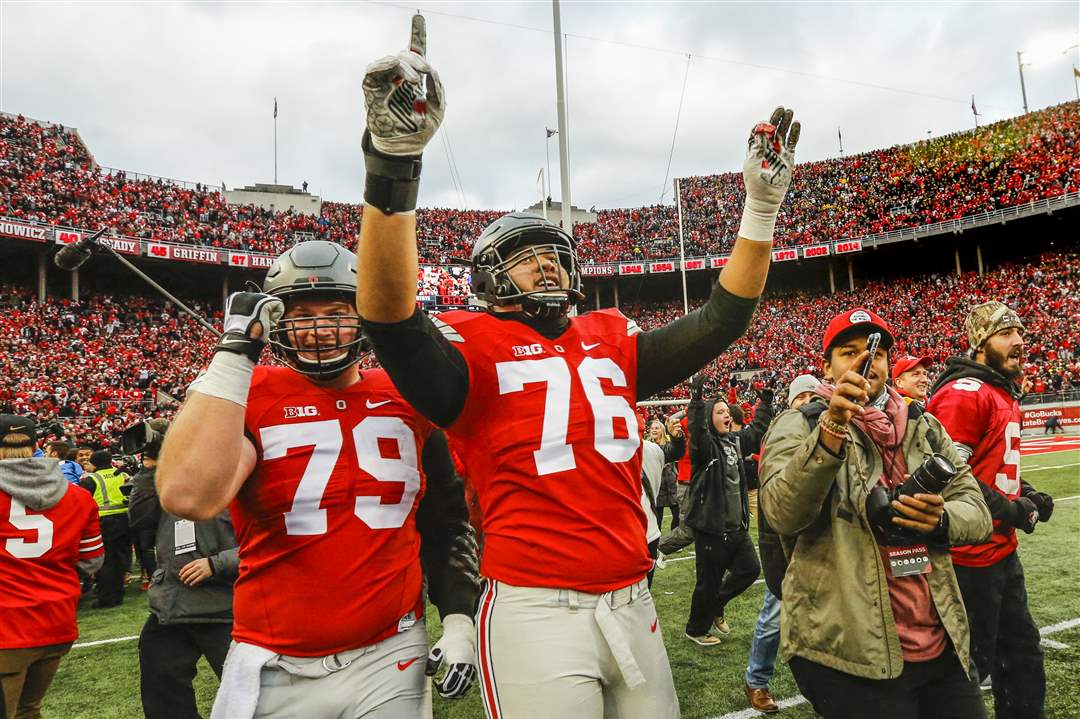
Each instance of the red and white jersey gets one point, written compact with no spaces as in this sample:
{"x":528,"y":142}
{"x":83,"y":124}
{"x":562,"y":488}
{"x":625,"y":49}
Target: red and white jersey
{"x":329,"y":550}
{"x":552,"y":445}
{"x":986,"y":420}
{"x":39,"y":552}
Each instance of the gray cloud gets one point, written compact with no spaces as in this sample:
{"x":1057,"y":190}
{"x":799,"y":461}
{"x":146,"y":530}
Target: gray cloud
{"x":186,"y":90}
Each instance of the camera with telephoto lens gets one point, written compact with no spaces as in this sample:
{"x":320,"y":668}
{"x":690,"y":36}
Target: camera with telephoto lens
{"x":144,"y":438}
{"x":930,"y":477}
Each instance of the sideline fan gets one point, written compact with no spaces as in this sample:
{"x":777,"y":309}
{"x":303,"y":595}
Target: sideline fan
{"x":976,"y":399}
{"x":567,"y":625}
{"x":891,"y":641}
{"x":49,"y":535}
{"x":343,"y":499}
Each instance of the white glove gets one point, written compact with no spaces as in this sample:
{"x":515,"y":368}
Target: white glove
{"x":457,"y":649}
{"x":404,"y":109}
{"x":770,"y":158}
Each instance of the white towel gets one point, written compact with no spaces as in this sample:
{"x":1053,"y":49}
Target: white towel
{"x":238,"y":694}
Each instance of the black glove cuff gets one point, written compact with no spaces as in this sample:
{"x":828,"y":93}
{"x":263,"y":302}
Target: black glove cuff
{"x":392,"y":183}
{"x":241,"y":344}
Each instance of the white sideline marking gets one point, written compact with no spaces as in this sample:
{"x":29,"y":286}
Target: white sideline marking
{"x":80,"y":645}
{"x":1056,"y":466}
{"x":1066,"y":499}
{"x":800,"y":699}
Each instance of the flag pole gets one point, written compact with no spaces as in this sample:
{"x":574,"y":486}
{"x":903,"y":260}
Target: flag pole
{"x":275,"y":140}
{"x":564,"y":148}
{"x":840,"y":138}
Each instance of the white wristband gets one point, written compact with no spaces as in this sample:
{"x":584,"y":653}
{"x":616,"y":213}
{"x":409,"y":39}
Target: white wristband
{"x":228,"y":377}
{"x":758,"y":220}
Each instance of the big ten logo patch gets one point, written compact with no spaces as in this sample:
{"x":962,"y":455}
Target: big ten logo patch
{"x":305,"y":411}
{"x":528,"y":350}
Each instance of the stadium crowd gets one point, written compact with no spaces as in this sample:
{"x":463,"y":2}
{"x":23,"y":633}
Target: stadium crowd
{"x":48,"y":175}
{"x":102,"y":363}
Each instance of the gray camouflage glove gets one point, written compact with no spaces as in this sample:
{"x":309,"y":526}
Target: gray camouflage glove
{"x":405,"y":106}
{"x":770,"y":158}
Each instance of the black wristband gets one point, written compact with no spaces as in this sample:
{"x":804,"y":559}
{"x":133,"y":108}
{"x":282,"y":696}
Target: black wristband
{"x":392,"y":183}
{"x":241,"y":344}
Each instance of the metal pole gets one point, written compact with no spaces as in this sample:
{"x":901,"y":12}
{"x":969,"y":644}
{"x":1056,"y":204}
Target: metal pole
{"x":1076,"y":81}
{"x":564,"y":168}
{"x":75,"y":286}
{"x":543,"y":194}
{"x":956,"y":254}
{"x":1020,"y":67}
{"x":850,"y":277}
{"x":682,"y":249}
{"x":832,"y":279}
{"x":978,"y":258}
{"x":547,"y":175}
{"x":616,"y":285}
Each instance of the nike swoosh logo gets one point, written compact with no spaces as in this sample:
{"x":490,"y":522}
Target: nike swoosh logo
{"x":653,"y":627}
{"x":402,"y":666}
{"x":373,"y":405}
{"x":589,"y":347}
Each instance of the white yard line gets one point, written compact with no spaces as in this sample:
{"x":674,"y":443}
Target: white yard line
{"x":800,"y":699}
{"x":80,"y":645}
{"x":1056,"y":466}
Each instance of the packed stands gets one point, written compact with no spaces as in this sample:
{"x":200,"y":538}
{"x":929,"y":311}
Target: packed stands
{"x":927,"y":315}
{"x":48,"y":175}
{"x":100,"y":364}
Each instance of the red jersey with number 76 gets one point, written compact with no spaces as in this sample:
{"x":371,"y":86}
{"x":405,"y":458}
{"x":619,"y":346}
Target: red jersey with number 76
{"x":552,"y":445}
{"x":326,"y":524}
{"x":985,"y":419}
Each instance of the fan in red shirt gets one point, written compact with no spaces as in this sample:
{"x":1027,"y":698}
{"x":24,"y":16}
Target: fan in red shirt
{"x":343,"y":499}
{"x":977,"y":401}
{"x":49,"y":534}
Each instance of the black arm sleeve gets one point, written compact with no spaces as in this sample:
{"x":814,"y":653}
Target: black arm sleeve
{"x":448,"y":550}
{"x":675,"y":449}
{"x":750,"y":437}
{"x":998,"y":504}
{"x":429,"y":372}
{"x":697,"y":425}
{"x":670,"y":354}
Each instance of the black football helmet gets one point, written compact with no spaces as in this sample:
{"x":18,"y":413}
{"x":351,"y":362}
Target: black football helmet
{"x":499,"y":248}
{"x":323,"y":270}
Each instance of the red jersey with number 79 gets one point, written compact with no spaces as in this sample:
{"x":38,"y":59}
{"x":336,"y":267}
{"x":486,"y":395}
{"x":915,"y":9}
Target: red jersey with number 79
{"x":986,"y":420}
{"x":39,"y":553}
{"x":552,"y":445}
{"x":326,"y":524}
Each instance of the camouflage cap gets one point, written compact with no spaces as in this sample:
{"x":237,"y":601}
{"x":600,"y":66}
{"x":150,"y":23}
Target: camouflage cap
{"x":988,"y":318}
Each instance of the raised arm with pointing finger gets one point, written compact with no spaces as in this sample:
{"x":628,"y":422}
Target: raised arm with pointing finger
{"x":538,"y":405}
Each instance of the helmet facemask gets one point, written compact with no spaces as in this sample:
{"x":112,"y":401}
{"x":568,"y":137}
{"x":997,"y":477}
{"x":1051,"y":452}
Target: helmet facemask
{"x":493,"y":284}
{"x":328,"y":361}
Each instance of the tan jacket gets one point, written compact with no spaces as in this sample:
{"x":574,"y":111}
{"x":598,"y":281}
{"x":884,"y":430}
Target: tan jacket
{"x":836,"y":609}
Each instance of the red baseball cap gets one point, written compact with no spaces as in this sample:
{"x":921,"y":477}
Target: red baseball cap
{"x":857,"y":317}
{"x":905,"y":364}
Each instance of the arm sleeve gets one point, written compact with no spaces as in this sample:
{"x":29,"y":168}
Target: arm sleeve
{"x":797,"y":474}
{"x":91,"y":546}
{"x":698,"y":430}
{"x":750,"y":437}
{"x":448,"y":549}
{"x":226,"y":564}
{"x":428,"y":371}
{"x":144,"y":510}
{"x":670,"y":354}
{"x":675,"y":449}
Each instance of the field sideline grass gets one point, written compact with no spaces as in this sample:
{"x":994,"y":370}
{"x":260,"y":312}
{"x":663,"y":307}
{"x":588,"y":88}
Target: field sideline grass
{"x":709,"y":681}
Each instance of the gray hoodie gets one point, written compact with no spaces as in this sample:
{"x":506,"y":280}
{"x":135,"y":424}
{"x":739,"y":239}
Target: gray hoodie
{"x":39,"y":484}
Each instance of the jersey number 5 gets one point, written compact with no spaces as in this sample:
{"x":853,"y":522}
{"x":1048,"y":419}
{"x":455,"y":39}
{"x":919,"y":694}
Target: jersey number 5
{"x":307,"y":516}
{"x":23,"y":548}
{"x":1010,"y":485}
{"x":555,"y":455}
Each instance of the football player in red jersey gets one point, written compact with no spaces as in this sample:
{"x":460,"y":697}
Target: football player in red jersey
{"x":541,"y":406}
{"x":49,"y":534}
{"x":343,"y":499}
{"x":976,"y":399}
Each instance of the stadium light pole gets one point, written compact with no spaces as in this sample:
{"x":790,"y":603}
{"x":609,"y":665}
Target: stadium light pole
{"x":682,"y":249}
{"x":1020,"y":67}
{"x":564,"y":167}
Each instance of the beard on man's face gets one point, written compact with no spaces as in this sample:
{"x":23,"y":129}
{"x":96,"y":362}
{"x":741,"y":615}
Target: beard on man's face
{"x":997,"y":361}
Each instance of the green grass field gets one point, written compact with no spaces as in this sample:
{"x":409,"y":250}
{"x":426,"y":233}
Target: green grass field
{"x":709,"y":681}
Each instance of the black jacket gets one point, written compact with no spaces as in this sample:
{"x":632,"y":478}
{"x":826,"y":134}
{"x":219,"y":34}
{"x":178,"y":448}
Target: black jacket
{"x":718,"y":482}
{"x":172,"y":601}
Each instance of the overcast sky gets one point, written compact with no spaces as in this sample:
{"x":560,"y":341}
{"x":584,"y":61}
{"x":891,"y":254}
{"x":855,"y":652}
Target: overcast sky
{"x":185,"y":90}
